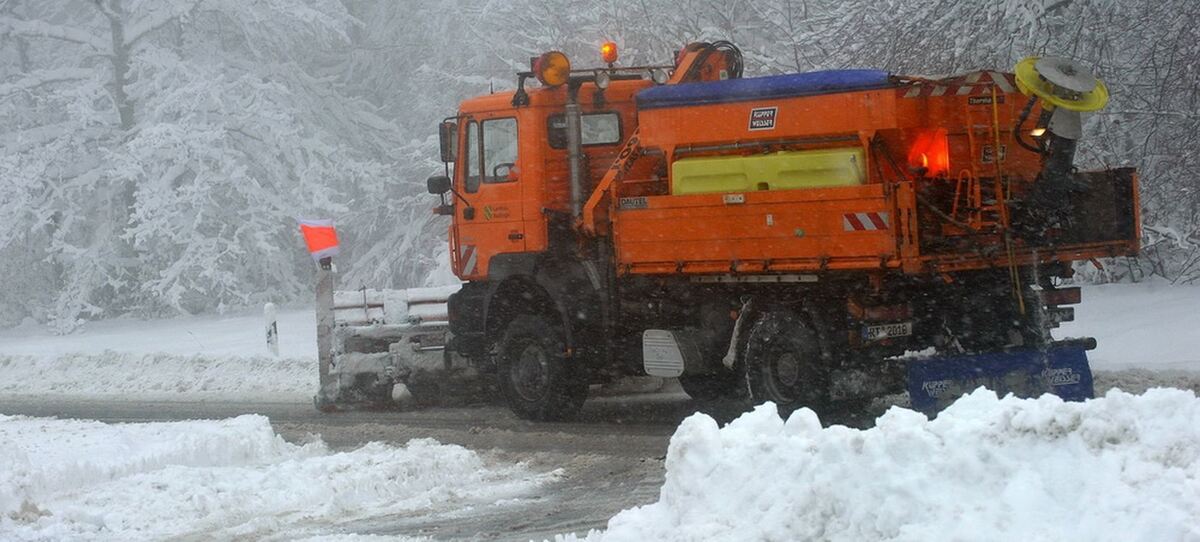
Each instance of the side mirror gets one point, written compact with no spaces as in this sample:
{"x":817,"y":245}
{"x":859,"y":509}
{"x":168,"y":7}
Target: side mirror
{"x":448,"y":141}
{"x":438,"y":184}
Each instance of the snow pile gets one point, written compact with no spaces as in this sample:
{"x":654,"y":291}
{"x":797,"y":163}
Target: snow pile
{"x":160,"y":377}
{"x":1121,"y":467}
{"x":66,"y":479}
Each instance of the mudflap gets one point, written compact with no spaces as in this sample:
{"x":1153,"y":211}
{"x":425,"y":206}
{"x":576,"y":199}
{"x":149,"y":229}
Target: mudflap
{"x":1061,"y":369}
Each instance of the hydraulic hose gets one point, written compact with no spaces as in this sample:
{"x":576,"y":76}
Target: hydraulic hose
{"x":1019,"y":134}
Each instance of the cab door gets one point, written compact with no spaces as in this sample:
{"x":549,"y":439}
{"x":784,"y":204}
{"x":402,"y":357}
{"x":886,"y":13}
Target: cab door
{"x":489,"y":179}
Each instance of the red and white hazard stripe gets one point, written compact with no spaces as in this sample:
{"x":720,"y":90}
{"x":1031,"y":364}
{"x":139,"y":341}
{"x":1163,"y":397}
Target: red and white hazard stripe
{"x":865,"y":221}
{"x":972,"y":84}
{"x":468,"y":255}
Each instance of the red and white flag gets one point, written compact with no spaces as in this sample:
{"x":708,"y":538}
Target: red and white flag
{"x":320,"y":236}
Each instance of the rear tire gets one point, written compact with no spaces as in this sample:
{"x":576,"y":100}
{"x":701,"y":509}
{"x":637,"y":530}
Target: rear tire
{"x":784,"y":364}
{"x":537,"y":379}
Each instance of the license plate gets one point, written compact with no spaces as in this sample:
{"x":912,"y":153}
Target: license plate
{"x":885,"y":331}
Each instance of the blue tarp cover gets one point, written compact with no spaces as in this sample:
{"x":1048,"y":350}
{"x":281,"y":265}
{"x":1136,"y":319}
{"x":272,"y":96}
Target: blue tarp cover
{"x":758,"y":88}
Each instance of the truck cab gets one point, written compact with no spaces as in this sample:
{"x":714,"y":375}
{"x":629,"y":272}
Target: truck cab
{"x":511,"y":167}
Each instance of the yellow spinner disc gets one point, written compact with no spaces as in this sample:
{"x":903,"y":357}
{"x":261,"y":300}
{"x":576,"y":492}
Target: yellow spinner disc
{"x":1033,"y":83}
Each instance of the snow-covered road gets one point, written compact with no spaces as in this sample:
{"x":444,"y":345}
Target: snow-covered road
{"x":194,"y":465}
{"x":1121,"y":467}
{"x":584,"y":472}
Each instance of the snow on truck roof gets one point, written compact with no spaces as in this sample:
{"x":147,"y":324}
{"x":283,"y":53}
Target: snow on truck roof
{"x":757,"y":88}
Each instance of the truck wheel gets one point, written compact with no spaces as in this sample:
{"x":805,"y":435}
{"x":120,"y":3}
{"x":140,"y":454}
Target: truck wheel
{"x":784,"y":365}
{"x":536,"y":378}
{"x":711,"y":387}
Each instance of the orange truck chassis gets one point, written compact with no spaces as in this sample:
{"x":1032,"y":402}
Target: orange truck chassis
{"x":774,"y":238}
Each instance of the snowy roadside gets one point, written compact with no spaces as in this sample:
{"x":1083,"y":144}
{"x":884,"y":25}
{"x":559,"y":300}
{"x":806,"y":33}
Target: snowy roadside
{"x":1146,"y":335}
{"x":160,"y":377}
{"x":198,"y":358}
{"x":1120,"y":467}
{"x":234,"y":478}
{"x":238,"y":335}
{"x":1148,"y":326}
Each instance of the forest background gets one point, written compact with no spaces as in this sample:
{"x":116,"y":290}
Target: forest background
{"x":154,"y":154}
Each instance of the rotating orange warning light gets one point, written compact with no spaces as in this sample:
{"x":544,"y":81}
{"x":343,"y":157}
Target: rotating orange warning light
{"x":608,"y":52}
{"x":930,"y":152}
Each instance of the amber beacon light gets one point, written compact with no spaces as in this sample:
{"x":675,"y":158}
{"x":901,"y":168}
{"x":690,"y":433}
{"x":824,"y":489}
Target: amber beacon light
{"x":552,"y":69}
{"x":608,"y":52}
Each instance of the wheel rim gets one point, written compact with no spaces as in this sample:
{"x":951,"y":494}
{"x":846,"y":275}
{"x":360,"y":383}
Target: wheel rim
{"x":783,"y":372}
{"x":530,"y":375}
{"x":787,"y":369}
{"x":791,"y":380}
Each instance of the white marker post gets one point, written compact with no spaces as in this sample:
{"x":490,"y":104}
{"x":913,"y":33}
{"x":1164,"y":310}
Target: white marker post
{"x":271,"y":316}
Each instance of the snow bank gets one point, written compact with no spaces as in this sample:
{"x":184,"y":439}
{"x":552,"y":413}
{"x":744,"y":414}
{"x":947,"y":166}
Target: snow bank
{"x":187,"y":358}
{"x":241,"y":335}
{"x":1121,"y":467}
{"x":235,"y":478}
{"x":160,"y":377}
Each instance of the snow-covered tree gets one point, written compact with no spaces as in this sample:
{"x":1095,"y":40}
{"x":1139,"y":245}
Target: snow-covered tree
{"x":169,"y":146}
{"x":153,"y":153}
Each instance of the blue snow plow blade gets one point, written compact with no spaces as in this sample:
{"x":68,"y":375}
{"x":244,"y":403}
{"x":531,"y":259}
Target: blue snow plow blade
{"x":1061,"y":370}
{"x":760,"y":88}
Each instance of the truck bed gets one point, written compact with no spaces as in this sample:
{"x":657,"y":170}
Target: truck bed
{"x":868,"y":227}
{"x":779,"y":230}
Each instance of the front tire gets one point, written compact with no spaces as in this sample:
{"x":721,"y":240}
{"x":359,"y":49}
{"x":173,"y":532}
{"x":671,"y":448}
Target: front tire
{"x":784,"y":364}
{"x":538,"y":380}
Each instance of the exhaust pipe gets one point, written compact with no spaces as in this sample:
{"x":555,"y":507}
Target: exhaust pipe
{"x":574,"y":117}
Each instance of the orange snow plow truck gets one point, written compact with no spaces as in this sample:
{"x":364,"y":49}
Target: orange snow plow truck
{"x":812,"y":239}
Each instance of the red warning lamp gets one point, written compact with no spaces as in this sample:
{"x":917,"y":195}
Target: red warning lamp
{"x":930,"y":152}
{"x":608,"y":52}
